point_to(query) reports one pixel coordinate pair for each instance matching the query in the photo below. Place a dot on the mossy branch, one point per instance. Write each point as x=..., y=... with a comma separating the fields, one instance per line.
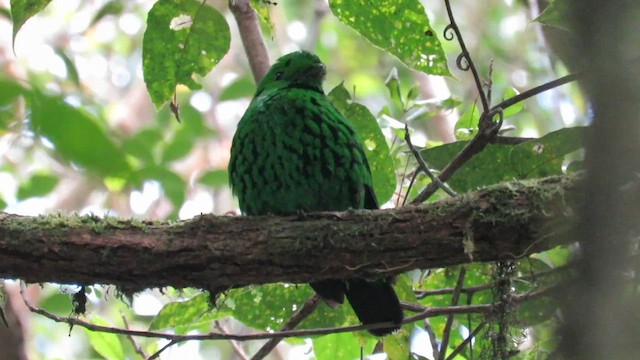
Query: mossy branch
x=507, y=221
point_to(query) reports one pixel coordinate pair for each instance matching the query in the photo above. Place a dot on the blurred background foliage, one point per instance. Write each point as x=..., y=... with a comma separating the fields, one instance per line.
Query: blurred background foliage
x=79, y=133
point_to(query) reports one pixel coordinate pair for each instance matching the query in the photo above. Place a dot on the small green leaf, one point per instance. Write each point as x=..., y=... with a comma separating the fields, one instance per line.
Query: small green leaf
x=467, y=126
x=106, y=344
x=77, y=136
x=72, y=71
x=3, y=204
x=262, y=8
x=393, y=85
x=556, y=14
x=22, y=10
x=241, y=87
x=114, y=7
x=399, y=27
x=373, y=140
x=183, y=38
x=37, y=185
x=215, y=178
x=142, y=144
x=513, y=109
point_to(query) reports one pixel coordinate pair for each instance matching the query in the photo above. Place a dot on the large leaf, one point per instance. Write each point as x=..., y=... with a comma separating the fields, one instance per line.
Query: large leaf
x=184, y=316
x=22, y=10
x=106, y=344
x=374, y=142
x=183, y=38
x=9, y=91
x=496, y=163
x=173, y=185
x=400, y=27
x=340, y=346
x=270, y=306
x=37, y=185
x=77, y=136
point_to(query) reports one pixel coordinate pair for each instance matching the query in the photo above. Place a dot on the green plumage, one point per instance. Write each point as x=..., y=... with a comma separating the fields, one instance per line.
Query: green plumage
x=293, y=151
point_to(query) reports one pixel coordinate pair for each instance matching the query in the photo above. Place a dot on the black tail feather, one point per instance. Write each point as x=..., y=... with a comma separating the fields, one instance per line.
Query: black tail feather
x=332, y=291
x=374, y=302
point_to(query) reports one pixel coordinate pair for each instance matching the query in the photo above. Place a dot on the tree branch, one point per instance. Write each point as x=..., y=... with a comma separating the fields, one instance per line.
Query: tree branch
x=503, y=222
x=252, y=39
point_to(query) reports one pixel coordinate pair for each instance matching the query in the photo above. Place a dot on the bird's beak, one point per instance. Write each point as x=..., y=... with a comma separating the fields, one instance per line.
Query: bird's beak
x=318, y=70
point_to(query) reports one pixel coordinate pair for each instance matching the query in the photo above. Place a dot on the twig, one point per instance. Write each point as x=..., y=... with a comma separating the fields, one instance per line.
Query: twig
x=136, y=347
x=234, y=344
x=307, y=309
x=449, y=324
x=421, y=294
x=482, y=138
x=423, y=312
x=157, y=353
x=537, y=90
x=510, y=140
x=176, y=338
x=473, y=147
x=466, y=341
x=423, y=166
x=453, y=26
x=251, y=35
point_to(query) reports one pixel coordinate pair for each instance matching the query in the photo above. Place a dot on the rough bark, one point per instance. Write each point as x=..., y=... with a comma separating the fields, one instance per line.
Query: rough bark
x=508, y=221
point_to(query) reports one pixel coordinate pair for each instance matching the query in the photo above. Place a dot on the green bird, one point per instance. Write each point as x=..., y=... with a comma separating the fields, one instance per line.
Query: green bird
x=294, y=151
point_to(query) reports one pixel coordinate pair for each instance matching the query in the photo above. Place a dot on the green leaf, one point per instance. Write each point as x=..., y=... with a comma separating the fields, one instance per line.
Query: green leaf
x=467, y=125
x=268, y=306
x=513, y=109
x=9, y=91
x=544, y=156
x=262, y=8
x=373, y=140
x=114, y=7
x=340, y=346
x=393, y=85
x=37, y=185
x=72, y=71
x=22, y=10
x=497, y=163
x=241, y=87
x=397, y=346
x=556, y=14
x=179, y=147
x=184, y=316
x=215, y=178
x=77, y=136
x=183, y=38
x=399, y=27
x=192, y=128
x=172, y=184
x=106, y=344
x=142, y=144
x=3, y=204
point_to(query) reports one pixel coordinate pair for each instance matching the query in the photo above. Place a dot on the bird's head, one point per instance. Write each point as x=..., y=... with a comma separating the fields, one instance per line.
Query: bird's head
x=300, y=69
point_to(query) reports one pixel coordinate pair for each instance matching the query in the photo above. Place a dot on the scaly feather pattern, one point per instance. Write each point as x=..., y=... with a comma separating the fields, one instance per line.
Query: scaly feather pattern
x=294, y=151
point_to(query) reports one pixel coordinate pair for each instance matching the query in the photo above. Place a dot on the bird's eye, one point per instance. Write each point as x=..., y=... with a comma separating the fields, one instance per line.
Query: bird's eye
x=279, y=75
